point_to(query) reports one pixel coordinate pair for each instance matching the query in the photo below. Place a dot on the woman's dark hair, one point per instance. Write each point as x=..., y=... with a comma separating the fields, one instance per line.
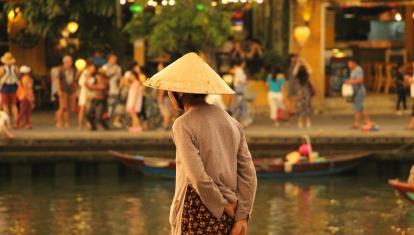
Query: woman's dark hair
x=193, y=99
x=353, y=59
x=135, y=74
x=303, y=76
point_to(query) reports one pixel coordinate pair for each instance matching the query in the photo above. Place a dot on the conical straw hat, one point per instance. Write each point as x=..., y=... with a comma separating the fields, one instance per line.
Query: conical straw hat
x=8, y=58
x=189, y=74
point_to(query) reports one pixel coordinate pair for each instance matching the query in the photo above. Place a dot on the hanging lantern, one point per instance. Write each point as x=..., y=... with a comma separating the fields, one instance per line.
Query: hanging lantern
x=302, y=34
x=302, y=2
x=72, y=27
x=80, y=64
x=65, y=33
x=11, y=15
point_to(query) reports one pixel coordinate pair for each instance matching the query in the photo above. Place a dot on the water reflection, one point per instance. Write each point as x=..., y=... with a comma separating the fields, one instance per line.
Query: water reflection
x=137, y=205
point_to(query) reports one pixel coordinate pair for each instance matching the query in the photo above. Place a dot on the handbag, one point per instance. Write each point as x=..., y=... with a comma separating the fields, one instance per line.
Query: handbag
x=282, y=115
x=348, y=92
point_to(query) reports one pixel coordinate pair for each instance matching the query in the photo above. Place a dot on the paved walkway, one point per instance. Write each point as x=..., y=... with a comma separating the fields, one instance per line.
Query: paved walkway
x=323, y=126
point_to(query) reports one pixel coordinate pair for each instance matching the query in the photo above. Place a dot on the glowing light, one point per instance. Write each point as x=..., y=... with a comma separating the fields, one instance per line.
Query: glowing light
x=65, y=33
x=302, y=34
x=136, y=8
x=72, y=27
x=412, y=15
x=164, y=2
x=200, y=7
x=122, y=2
x=243, y=1
x=224, y=1
x=17, y=10
x=213, y=4
x=80, y=64
x=171, y=3
x=302, y=2
x=11, y=15
x=398, y=16
x=259, y=1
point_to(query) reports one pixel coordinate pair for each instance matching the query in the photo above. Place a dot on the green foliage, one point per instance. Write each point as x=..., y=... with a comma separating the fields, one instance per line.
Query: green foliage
x=96, y=19
x=190, y=25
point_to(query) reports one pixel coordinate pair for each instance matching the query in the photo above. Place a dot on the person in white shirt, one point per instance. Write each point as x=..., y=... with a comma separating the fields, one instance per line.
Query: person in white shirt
x=239, y=107
x=85, y=95
x=114, y=73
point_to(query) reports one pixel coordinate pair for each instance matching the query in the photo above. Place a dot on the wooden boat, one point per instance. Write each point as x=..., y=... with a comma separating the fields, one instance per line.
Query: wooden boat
x=265, y=168
x=405, y=190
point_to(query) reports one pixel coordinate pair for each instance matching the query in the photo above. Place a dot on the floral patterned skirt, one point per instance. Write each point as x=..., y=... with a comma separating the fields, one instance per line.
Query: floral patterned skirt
x=197, y=219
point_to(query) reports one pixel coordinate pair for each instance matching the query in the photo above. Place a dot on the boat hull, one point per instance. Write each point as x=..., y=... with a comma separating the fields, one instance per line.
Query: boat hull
x=265, y=168
x=404, y=190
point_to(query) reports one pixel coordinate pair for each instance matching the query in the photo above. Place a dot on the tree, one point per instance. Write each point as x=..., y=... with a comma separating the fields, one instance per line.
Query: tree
x=96, y=18
x=189, y=25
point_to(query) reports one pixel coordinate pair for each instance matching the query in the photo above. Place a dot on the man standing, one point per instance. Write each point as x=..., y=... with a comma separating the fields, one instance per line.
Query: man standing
x=67, y=92
x=113, y=72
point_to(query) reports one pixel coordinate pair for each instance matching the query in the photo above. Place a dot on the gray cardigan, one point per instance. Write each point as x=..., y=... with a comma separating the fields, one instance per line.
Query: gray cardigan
x=213, y=156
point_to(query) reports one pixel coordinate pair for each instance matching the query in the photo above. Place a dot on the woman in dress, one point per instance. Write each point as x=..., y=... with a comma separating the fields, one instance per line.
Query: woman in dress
x=84, y=93
x=215, y=176
x=134, y=102
x=304, y=93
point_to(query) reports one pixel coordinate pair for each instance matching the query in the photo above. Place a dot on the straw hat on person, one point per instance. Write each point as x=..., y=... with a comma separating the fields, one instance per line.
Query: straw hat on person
x=189, y=74
x=8, y=58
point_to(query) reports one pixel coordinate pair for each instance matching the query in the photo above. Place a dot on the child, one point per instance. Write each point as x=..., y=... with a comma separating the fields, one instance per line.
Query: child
x=98, y=104
x=275, y=82
x=25, y=96
x=5, y=125
x=134, y=102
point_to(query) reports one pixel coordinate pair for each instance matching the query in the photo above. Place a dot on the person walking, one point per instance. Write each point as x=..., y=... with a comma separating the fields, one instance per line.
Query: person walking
x=114, y=73
x=215, y=176
x=134, y=102
x=85, y=95
x=67, y=92
x=143, y=113
x=275, y=82
x=304, y=92
x=356, y=79
x=240, y=107
x=25, y=97
x=8, y=85
x=98, y=103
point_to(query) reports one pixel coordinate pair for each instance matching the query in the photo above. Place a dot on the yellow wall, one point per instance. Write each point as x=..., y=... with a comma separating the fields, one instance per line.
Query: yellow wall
x=34, y=57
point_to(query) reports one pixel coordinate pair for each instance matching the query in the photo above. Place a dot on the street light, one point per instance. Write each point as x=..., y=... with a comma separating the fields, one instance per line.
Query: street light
x=72, y=27
x=398, y=16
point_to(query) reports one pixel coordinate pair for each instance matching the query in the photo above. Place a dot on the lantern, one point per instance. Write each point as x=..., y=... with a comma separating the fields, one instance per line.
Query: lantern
x=80, y=64
x=302, y=34
x=11, y=15
x=302, y=2
x=72, y=27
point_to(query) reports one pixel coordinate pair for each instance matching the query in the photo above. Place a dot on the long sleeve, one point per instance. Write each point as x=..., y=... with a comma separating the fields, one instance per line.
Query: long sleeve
x=189, y=156
x=246, y=180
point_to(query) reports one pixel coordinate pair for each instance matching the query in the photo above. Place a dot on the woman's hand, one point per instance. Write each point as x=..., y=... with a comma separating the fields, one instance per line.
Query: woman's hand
x=239, y=228
x=230, y=210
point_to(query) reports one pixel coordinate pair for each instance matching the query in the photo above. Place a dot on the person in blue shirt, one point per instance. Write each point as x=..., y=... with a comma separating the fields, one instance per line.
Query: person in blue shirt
x=356, y=79
x=275, y=82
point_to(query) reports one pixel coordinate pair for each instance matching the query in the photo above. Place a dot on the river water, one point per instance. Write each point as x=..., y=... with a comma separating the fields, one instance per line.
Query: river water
x=131, y=204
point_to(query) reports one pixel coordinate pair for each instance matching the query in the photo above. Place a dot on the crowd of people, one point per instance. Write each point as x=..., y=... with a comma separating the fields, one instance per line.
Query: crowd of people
x=103, y=95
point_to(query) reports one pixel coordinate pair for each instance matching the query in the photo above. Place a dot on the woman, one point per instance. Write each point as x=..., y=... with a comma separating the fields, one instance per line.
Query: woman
x=304, y=93
x=216, y=178
x=275, y=82
x=84, y=93
x=98, y=103
x=134, y=102
x=356, y=79
x=143, y=114
x=8, y=85
x=25, y=96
